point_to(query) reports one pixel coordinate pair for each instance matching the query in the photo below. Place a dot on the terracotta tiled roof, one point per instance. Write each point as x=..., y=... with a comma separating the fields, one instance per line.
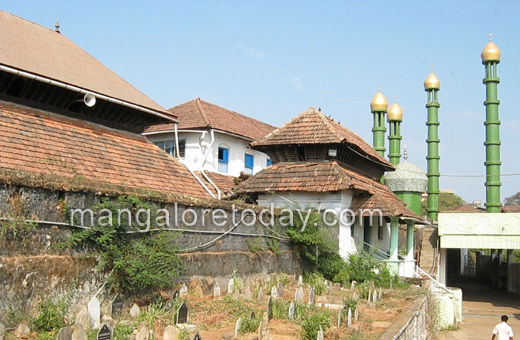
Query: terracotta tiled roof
x=510, y=209
x=326, y=177
x=198, y=114
x=30, y=47
x=225, y=183
x=39, y=142
x=313, y=127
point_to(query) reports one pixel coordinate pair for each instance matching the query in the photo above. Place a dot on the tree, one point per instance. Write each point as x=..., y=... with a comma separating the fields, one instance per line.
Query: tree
x=512, y=200
x=447, y=201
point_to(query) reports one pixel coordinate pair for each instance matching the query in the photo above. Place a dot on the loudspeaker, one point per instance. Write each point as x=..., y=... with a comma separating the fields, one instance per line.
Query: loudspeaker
x=89, y=99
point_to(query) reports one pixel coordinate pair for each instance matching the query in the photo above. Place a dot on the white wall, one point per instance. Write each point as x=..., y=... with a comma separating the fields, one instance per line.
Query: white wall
x=196, y=150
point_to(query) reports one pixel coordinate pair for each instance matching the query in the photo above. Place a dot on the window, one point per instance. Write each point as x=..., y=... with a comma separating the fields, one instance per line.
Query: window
x=269, y=162
x=223, y=159
x=249, y=162
x=169, y=147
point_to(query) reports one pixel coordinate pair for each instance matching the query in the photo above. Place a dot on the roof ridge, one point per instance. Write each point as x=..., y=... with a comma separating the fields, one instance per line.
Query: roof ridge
x=328, y=125
x=203, y=113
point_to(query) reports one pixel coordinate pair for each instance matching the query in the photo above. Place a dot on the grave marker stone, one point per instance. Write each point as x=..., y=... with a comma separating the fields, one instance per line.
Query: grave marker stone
x=270, y=309
x=104, y=333
x=260, y=294
x=170, y=333
x=216, y=290
x=355, y=296
x=280, y=289
x=349, y=317
x=298, y=296
x=353, y=285
x=291, y=310
x=356, y=314
x=197, y=336
x=300, y=280
x=237, y=327
x=252, y=315
x=380, y=293
x=78, y=332
x=340, y=311
x=143, y=332
x=247, y=294
x=183, y=291
x=94, y=309
x=230, y=286
x=64, y=334
x=274, y=292
x=312, y=296
x=260, y=329
x=369, y=296
x=182, y=314
x=176, y=295
x=135, y=310
x=321, y=336
x=117, y=304
x=374, y=296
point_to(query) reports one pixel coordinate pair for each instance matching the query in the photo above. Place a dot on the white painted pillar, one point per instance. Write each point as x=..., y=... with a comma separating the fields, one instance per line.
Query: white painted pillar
x=443, y=262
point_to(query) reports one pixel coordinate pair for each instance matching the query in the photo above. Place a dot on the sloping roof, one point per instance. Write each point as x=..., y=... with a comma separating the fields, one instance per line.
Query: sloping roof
x=313, y=127
x=41, y=51
x=198, y=114
x=326, y=177
x=225, y=183
x=35, y=141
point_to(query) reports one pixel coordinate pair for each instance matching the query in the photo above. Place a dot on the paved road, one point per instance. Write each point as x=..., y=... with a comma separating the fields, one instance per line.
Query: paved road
x=481, y=310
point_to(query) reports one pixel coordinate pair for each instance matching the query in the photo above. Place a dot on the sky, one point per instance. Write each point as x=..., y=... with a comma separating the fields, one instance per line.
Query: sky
x=272, y=60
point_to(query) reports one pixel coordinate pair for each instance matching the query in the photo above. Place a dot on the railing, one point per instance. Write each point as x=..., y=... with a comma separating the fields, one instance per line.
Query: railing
x=436, y=283
x=382, y=255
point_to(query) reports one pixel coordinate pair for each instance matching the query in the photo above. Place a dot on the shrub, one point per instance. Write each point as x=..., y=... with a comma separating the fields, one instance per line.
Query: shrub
x=312, y=324
x=51, y=316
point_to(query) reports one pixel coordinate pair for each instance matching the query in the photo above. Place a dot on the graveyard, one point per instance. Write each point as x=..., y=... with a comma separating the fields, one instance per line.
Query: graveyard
x=271, y=307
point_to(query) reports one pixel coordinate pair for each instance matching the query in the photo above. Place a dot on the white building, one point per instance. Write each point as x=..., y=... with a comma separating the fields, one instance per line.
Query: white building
x=211, y=138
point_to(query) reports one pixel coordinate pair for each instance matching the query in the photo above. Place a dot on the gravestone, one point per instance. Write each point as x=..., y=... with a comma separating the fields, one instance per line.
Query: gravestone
x=135, y=310
x=252, y=315
x=298, y=296
x=83, y=317
x=176, y=295
x=353, y=285
x=321, y=336
x=291, y=310
x=183, y=291
x=280, y=289
x=230, y=286
x=94, y=309
x=107, y=320
x=197, y=336
x=369, y=296
x=340, y=311
x=300, y=280
x=349, y=317
x=247, y=294
x=374, y=296
x=182, y=313
x=312, y=297
x=391, y=284
x=64, y=334
x=270, y=309
x=372, y=285
x=356, y=314
x=237, y=327
x=78, y=332
x=380, y=293
x=171, y=333
x=143, y=332
x=260, y=330
x=104, y=333
x=355, y=296
x=260, y=294
x=117, y=305
x=216, y=290
x=274, y=292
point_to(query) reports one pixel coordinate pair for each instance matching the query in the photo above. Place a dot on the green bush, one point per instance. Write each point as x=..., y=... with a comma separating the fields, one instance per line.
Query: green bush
x=311, y=325
x=51, y=316
x=249, y=325
x=317, y=281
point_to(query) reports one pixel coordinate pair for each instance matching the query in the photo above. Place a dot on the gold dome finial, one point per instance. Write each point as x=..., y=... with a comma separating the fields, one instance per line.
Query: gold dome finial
x=379, y=102
x=491, y=52
x=432, y=82
x=395, y=112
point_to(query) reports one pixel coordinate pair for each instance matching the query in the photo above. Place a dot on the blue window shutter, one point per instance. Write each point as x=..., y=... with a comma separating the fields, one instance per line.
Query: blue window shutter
x=225, y=155
x=269, y=161
x=249, y=161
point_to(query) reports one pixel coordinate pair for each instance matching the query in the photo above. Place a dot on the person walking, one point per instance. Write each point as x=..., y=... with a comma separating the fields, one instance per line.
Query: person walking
x=502, y=331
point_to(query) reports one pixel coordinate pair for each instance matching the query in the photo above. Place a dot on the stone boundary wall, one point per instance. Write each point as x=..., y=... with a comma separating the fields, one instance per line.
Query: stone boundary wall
x=33, y=269
x=411, y=324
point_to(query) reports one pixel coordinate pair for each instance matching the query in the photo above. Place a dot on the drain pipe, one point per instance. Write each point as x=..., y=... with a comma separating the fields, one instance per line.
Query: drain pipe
x=212, y=133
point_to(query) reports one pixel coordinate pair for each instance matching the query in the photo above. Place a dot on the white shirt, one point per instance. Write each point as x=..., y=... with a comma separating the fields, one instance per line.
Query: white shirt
x=503, y=331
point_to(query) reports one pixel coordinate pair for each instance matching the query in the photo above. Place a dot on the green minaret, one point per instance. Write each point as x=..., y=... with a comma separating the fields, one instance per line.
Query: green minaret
x=378, y=106
x=490, y=58
x=395, y=117
x=432, y=86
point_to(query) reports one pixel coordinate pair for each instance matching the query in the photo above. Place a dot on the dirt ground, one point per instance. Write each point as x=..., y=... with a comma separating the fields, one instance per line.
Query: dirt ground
x=482, y=307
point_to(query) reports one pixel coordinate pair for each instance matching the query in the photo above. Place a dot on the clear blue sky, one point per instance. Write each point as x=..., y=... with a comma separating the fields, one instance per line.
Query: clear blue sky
x=272, y=60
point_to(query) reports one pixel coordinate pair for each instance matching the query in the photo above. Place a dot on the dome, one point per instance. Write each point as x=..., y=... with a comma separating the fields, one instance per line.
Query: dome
x=407, y=177
x=491, y=52
x=395, y=112
x=379, y=102
x=432, y=82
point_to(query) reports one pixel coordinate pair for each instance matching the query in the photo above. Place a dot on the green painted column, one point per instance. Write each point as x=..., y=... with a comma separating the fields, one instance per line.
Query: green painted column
x=491, y=58
x=378, y=106
x=394, y=237
x=409, y=241
x=395, y=117
x=412, y=200
x=432, y=87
